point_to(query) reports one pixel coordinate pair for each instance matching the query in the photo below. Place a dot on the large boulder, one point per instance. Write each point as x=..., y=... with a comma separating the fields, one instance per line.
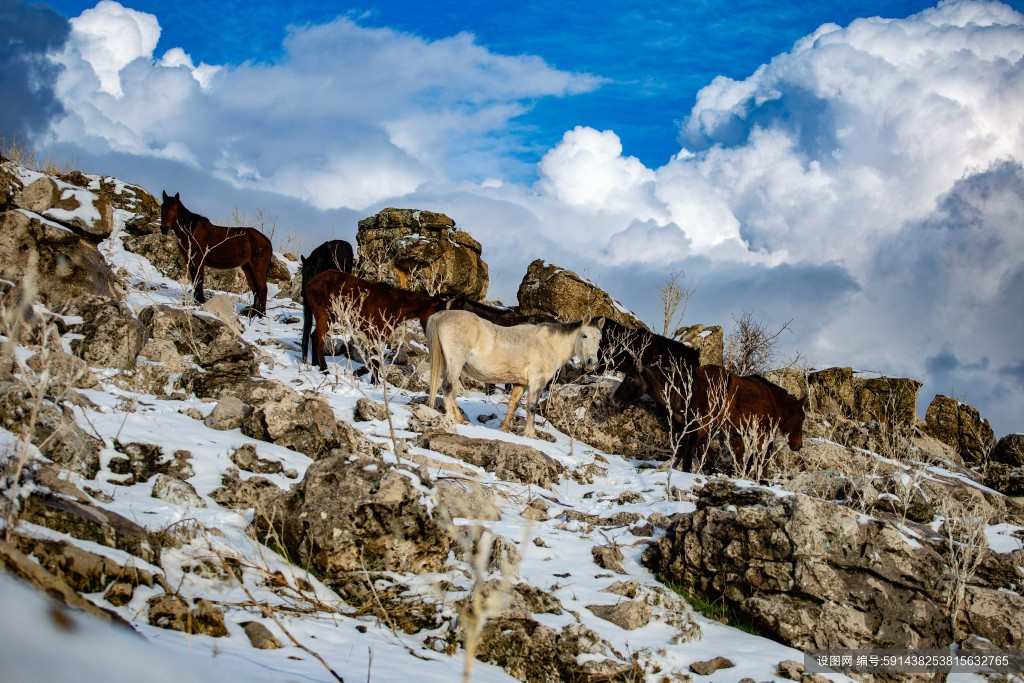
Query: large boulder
x=421, y=251
x=562, y=294
x=1010, y=450
x=67, y=266
x=221, y=359
x=816, y=575
x=960, y=426
x=509, y=461
x=838, y=392
x=352, y=514
x=587, y=412
x=306, y=424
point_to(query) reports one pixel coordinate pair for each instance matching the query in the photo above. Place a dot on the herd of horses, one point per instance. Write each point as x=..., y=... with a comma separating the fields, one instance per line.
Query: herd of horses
x=493, y=344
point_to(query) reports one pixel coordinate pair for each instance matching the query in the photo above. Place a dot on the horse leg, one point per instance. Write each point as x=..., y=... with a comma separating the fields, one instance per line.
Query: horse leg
x=250, y=279
x=532, y=404
x=451, y=372
x=513, y=404
x=307, y=325
x=197, y=273
x=318, y=342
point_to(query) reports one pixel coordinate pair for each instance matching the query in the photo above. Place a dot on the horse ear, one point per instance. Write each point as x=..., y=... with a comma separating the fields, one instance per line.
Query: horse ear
x=177, y=195
x=600, y=323
x=165, y=195
x=302, y=260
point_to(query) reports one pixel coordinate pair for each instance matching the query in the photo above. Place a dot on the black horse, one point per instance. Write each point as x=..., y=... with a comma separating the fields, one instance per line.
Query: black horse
x=331, y=255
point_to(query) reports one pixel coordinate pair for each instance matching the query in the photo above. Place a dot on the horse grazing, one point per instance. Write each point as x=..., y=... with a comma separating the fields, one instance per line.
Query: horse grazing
x=202, y=244
x=526, y=356
x=380, y=306
x=716, y=400
x=331, y=255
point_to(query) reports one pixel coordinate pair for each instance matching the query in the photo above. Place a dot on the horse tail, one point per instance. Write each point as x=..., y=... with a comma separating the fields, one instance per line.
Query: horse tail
x=437, y=359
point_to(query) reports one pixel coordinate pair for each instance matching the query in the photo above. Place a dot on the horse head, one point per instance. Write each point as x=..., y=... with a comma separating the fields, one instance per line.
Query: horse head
x=169, y=211
x=633, y=385
x=793, y=426
x=587, y=342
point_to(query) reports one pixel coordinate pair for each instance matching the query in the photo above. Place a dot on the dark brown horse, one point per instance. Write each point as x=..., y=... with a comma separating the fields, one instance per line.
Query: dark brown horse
x=382, y=306
x=331, y=255
x=624, y=348
x=721, y=401
x=202, y=244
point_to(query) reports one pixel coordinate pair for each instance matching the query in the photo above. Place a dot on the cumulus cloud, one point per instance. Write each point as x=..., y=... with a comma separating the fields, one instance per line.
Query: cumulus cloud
x=865, y=184
x=27, y=34
x=348, y=116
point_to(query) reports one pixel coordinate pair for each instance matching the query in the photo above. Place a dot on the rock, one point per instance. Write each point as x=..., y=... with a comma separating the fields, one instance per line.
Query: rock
x=710, y=666
x=239, y=494
x=140, y=462
x=791, y=669
x=1005, y=479
x=367, y=410
x=423, y=419
x=1010, y=450
x=509, y=461
x=608, y=557
x=562, y=294
x=530, y=651
x=629, y=614
x=227, y=414
x=814, y=575
x=119, y=594
x=82, y=570
x=171, y=612
x=112, y=337
x=176, y=491
x=223, y=307
x=67, y=266
x=246, y=458
x=260, y=636
x=307, y=425
x=421, y=251
x=351, y=515
x=38, y=196
x=587, y=413
x=221, y=359
x=53, y=430
x=89, y=523
x=465, y=498
x=837, y=392
x=64, y=369
x=960, y=426
x=710, y=341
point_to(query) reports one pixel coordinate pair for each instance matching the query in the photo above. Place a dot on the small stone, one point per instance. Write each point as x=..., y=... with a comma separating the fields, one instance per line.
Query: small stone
x=608, y=557
x=710, y=666
x=537, y=510
x=260, y=636
x=246, y=458
x=120, y=593
x=229, y=413
x=791, y=669
x=176, y=491
x=368, y=410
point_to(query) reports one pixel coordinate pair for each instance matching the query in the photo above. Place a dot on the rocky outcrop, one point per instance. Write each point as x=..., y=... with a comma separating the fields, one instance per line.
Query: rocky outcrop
x=586, y=412
x=111, y=335
x=66, y=265
x=304, y=423
x=53, y=430
x=709, y=340
x=1010, y=450
x=816, y=575
x=838, y=392
x=960, y=426
x=356, y=514
x=421, y=251
x=562, y=294
x=220, y=358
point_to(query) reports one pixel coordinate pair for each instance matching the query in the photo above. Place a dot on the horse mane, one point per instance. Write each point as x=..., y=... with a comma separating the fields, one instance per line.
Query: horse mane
x=191, y=218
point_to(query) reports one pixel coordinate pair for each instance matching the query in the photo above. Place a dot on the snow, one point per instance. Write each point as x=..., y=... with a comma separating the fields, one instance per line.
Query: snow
x=555, y=553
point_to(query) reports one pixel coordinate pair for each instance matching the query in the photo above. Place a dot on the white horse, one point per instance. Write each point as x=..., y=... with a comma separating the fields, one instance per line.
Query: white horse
x=526, y=356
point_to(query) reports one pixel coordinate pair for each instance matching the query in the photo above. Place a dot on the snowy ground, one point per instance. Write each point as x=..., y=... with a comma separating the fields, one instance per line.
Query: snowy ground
x=34, y=646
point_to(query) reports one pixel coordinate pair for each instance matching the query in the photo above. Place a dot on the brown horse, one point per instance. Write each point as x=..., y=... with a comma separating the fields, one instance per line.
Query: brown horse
x=202, y=244
x=382, y=306
x=331, y=255
x=720, y=401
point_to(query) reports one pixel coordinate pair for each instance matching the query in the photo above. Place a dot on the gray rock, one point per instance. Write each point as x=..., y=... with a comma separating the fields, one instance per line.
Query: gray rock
x=260, y=636
x=467, y=499
x=710, y=666
x=246, y=458
x=176, y=491
x=227, y=414
x=367, y=410
x=509, y=461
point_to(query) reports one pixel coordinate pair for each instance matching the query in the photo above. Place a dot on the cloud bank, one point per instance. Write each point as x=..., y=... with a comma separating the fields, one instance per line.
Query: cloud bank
x=866, y=184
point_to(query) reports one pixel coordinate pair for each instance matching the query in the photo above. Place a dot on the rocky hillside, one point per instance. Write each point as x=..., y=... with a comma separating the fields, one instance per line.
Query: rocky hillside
x=179, y=474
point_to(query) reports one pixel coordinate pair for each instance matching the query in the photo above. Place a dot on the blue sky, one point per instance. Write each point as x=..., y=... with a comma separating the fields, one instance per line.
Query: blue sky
x=854, y=169
x=654, y=55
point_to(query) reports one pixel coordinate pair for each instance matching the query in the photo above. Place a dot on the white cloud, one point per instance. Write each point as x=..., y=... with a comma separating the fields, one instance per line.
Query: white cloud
x=111, y=36
x=826, y=173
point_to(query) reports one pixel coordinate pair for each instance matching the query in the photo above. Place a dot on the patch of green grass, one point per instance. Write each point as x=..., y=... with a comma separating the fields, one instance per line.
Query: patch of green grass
x=717, y=609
